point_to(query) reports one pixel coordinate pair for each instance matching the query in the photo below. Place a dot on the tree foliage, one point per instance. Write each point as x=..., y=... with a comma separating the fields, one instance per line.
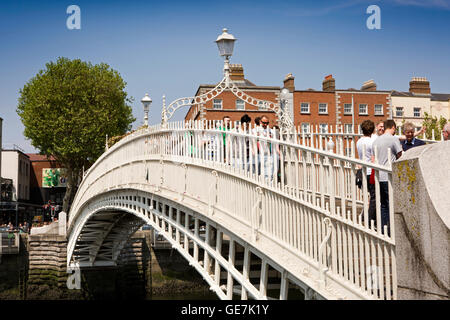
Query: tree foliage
x=68, y=108
x=432, y=123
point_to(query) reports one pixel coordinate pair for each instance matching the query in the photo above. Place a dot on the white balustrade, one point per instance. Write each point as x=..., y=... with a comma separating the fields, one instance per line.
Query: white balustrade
x=283, y=187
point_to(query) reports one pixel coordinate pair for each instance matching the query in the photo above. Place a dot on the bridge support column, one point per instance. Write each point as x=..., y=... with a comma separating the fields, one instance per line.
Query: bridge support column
x=422, y=222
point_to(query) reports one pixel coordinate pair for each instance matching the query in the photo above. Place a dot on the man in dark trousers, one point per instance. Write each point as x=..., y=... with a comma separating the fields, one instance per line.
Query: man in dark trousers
x=411, y=141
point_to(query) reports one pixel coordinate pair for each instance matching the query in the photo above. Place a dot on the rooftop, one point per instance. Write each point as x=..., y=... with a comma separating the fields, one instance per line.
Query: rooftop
x=433, y=96
x=40, y=157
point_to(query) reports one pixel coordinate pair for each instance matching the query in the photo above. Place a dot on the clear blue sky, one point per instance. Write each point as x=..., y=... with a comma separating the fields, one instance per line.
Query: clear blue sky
x=167, y=47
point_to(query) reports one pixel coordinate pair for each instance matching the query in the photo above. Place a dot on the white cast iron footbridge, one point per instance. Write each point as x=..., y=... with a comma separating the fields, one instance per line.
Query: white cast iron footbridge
x=286, y=204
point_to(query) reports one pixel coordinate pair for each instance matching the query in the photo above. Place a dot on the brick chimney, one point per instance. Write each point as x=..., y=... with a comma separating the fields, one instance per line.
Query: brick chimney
x=289, y=82
x=236, y=72
x=419, y=85
x=329, y=84
x=369, y=85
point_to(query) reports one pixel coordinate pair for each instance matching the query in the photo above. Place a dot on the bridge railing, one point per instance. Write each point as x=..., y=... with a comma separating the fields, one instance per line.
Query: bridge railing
x=360, y=252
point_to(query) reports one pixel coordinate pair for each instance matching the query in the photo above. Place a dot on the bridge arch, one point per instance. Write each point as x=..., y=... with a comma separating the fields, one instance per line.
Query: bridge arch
x=280, y=220
x=112, y=217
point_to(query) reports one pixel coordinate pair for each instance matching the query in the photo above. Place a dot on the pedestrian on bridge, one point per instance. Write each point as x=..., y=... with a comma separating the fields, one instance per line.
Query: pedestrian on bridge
x=446, y=132
x=410, y=140
x=364, y=146
x=386, y=148
x=245, y=142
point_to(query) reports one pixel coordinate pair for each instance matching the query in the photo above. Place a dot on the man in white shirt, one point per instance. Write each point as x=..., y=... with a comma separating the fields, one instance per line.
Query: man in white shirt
x=388, y=149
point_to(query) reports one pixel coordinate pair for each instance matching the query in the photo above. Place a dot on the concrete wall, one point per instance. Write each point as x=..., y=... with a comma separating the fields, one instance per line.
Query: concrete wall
x=11, y=160
x=421, y=179
x=141, y=273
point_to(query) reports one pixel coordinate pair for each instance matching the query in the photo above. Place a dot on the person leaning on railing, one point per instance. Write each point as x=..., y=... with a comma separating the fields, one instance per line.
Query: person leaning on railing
x=364, y=146
x=381, y=148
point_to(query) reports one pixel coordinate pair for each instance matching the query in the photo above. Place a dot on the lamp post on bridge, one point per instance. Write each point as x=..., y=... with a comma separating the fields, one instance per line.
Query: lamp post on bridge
x=146, y=102
x=225, y=44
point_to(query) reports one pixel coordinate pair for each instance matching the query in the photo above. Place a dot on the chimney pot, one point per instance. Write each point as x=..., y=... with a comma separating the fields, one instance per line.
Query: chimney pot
x=236, y=72
x=329, y=84
x=289, y=82
x=419, y=85
x=369, y=85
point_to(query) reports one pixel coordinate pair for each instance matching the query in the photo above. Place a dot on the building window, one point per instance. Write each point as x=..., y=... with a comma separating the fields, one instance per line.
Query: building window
x=304, y=107
x=417, y=112
x=323, y=128
x=348, y=128
x=378, y=109
x=323, y=108
x=305, y=127
x=261, y=106
x=240, y=104
x=399, y=112
x=217, y=104
x=363, y=109
x=348, y=108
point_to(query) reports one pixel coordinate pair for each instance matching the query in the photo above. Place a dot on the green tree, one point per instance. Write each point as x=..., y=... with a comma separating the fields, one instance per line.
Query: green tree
x=433, y=123
x=68, y=108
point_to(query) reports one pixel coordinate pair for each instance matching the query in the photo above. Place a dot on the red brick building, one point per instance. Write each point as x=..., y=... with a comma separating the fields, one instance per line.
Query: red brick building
x=334, y=106
x=319, y=108
x=227, y=104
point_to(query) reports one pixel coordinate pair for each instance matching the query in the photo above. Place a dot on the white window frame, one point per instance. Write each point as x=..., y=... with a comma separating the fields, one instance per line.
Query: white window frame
x=323, y=127
x=305, y=125
x=216, y=102
x=348, y=127
x=261, y=106
x=414, y=112
x=380, y=112
x=351, y=108
x=397, y=109
x=305, y=112
x=238, y=101
x=359, y=109
x=326, y=108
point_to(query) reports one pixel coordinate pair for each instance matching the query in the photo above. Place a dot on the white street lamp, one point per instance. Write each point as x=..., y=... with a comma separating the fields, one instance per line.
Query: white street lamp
x=225, y=43
x=146, y=102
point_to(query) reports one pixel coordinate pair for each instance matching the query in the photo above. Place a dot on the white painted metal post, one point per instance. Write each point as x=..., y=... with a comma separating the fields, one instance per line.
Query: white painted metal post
x=219, y=251
x=206, y=259
x=263, y=279
x=197, y=236
x=230, y=281
x=245, y=272
x=284, y=286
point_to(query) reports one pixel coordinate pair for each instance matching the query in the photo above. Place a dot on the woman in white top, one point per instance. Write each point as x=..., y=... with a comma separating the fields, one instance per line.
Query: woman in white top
x=364, y=147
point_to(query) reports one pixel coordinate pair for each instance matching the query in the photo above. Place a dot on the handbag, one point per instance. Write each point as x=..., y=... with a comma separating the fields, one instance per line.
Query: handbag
x=359, y=177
